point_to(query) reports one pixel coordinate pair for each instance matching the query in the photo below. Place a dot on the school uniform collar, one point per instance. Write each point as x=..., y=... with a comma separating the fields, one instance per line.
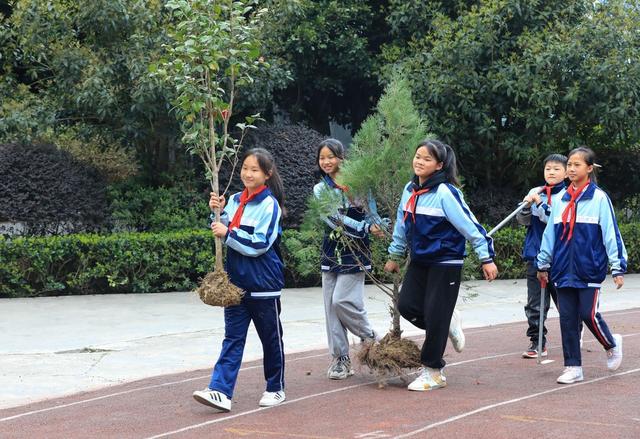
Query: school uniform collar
x=587, y=193
x=329, y=181
x=434, y=180
x=258, y=198
x=557, y=187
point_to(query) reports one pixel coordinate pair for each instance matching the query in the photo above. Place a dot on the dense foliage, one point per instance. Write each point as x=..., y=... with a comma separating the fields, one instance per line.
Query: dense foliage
x=49, y=191
x=170, y=261
x=507, y=82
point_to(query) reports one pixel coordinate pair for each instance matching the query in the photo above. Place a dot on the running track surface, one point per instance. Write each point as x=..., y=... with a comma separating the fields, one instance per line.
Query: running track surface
x=492, y=393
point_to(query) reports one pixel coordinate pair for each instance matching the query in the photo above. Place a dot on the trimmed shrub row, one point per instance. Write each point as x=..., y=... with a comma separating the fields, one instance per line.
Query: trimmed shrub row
x=174, y=261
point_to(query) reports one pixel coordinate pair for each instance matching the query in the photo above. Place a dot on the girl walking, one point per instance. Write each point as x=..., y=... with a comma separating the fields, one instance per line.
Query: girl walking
x=343, y=267
x=250, y=228
x=433, y=224
x=580, y=240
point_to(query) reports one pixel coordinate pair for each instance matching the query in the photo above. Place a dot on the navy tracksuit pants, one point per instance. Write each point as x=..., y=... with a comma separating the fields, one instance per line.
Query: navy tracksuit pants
x=265, y=314
x=576, y=305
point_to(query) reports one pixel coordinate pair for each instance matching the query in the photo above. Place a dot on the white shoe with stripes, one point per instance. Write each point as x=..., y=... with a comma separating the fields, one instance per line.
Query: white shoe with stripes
x=614, y=355
x=455, y=331
x=270, y=399
x=213, y=398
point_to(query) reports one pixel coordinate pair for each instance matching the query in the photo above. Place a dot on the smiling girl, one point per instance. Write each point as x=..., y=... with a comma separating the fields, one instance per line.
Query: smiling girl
x=343, y=267
x=579, y=242
x=433, y=224
x=253, y=263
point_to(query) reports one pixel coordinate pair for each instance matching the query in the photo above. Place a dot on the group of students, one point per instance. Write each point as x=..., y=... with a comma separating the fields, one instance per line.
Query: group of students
x=571, y=241
x=572, y=238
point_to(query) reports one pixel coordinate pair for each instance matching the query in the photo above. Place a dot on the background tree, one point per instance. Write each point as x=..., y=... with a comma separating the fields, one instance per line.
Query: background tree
x=330, y=48
x=379, y=162
x=67, y=65
x=214, y=51
x=507, y=82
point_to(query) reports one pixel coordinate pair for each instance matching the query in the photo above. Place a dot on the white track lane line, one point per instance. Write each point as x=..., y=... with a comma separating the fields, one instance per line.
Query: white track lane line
x=137, y=389
x=217, y=420
x=511, y=401
x=155, y=386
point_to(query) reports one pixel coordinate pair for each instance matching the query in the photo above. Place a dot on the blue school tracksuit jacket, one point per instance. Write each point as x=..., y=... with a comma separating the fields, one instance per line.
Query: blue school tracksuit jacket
x=355, y=222
x=255, y=265
x=442, y=225
x=254, y=262
x=539, y=217
x=596, y=243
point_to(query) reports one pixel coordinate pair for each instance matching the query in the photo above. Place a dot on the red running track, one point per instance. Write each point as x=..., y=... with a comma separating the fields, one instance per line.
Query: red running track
x=492, y=393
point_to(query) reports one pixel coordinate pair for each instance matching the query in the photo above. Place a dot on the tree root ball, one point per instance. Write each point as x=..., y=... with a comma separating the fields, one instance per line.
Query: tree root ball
x=216, y=290
x=389, y=357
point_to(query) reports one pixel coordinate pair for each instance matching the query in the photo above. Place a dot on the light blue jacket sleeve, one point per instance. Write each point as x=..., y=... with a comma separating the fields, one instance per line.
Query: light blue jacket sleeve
x=398, y=246
x=545, y=256
x=224, y=217
x=353, y=228
x=266, y=230
x=616, y=251
x=459, y=215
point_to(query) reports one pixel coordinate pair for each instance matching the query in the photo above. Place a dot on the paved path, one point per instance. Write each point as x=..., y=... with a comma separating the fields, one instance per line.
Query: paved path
x=51, y=347
x=492, y=393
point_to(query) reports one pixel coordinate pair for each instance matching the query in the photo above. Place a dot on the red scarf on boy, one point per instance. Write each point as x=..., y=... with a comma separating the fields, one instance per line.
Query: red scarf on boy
x=570, y=212
x=547, y=188
x=244, y=199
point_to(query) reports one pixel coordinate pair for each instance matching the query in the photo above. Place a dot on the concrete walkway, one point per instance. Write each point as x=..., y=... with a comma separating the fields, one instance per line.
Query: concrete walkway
x=58, y=346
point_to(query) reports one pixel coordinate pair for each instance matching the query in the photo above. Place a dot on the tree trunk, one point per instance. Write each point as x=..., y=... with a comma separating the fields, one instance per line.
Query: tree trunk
x=395, y=325
x=215, y=184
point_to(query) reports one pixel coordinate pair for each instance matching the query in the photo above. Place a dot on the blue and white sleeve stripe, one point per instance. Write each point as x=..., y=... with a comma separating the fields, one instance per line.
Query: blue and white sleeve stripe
x=459, y=215
x=353, y=228
x=398, y=246
x=265, y=232
x=545, y=256
x=616, y=251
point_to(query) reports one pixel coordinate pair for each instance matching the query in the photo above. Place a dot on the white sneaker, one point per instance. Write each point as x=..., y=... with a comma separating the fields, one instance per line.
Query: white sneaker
x=270, y=399
x=213, y=398
x=570, y=375
x=340, y=368
x=614, y=355
x=455, y=331
x=429, y=379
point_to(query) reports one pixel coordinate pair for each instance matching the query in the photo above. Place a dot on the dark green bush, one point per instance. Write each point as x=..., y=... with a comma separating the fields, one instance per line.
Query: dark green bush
x=146, y=209
x=117, y=263
x=50, y=191
x=170, y=261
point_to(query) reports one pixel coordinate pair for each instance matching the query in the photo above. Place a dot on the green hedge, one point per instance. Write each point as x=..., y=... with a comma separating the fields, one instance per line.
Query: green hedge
x=173, y=261
x=117, y=263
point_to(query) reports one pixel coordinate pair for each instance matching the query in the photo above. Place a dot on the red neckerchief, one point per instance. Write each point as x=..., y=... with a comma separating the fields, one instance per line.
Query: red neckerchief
x=570, y=212
x=342, y=188
x=411, y=204
x=547, y=189
x=244, y=199
x=331, y=182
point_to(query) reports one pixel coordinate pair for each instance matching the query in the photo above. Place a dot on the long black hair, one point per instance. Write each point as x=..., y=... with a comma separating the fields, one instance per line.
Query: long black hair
x=444, y=154
x=336, y=148
x=590, y=159
x=268, y=166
